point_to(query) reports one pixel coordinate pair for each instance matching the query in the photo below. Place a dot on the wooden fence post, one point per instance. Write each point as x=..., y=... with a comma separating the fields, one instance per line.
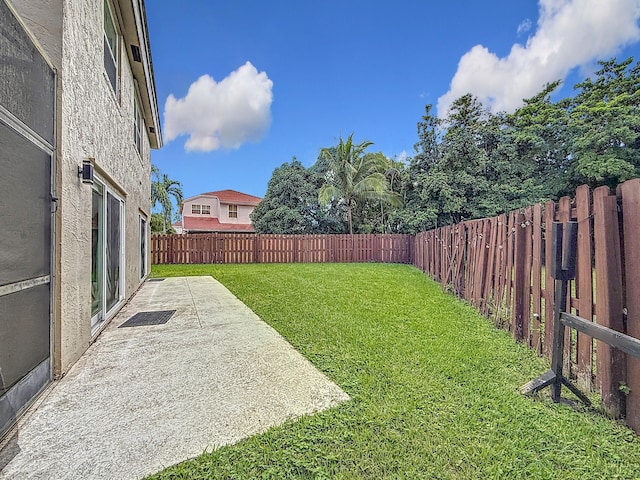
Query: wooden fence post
x=611, y=362
x=584, y=286
x=520, y=296
x=630, y=192
x=536, y=265
x=549, y=291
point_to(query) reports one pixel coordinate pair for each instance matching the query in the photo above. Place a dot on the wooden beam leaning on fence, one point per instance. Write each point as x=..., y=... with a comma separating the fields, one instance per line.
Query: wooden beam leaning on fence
x=564, y=244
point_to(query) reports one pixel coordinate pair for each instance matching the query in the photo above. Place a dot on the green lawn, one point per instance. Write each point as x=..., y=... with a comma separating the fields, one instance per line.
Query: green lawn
x=434, y=387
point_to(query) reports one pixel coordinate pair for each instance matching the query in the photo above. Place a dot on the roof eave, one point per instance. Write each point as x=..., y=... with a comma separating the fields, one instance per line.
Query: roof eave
x=136, y=33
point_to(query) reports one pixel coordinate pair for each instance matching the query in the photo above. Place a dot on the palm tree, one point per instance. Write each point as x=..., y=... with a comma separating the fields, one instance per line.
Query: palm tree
x=163, y=189
x=355, y=177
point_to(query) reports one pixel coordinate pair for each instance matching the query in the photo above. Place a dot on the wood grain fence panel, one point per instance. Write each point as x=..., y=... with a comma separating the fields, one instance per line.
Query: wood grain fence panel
x=630, y=192
x=526, y=279
x=460, y=259
x=500, y=268
x=479, y=264
x=469, y=264
x=536, y=289
x=610, y=362
x=549, y=291
x=487, y=291
x=584, y=286
x=483, y=261
x=444, y=253
x=519, y=294
x=511, y=232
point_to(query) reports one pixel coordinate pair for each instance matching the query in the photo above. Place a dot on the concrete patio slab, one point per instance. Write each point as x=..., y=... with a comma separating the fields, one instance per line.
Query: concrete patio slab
x=143, y=398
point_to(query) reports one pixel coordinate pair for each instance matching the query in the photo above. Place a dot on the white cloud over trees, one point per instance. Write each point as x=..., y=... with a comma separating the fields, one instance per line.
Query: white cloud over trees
x=222, y=114
x=569, y=33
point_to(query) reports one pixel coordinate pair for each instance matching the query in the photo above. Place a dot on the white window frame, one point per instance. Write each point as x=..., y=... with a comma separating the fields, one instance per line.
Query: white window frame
x=196, y=209
x=205, y=210
x=115, y=56
x=234, y=211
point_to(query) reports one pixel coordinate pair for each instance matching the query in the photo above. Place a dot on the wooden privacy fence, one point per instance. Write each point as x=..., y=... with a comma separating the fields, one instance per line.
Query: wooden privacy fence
x=254, y=248
x=498, y=265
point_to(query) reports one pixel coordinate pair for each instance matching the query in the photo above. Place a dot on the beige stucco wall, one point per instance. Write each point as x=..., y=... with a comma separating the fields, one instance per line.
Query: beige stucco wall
x=94, y=123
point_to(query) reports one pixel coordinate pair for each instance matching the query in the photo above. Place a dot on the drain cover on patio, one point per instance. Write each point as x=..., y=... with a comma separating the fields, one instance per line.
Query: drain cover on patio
x=155, y=279
x=142, y=319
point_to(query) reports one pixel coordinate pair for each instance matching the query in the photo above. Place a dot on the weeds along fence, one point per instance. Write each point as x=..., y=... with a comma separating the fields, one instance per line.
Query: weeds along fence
x=498, y=265
x=258, y=248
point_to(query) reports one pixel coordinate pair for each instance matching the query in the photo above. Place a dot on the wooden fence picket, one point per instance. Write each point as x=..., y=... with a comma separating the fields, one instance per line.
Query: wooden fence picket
x=630, y=195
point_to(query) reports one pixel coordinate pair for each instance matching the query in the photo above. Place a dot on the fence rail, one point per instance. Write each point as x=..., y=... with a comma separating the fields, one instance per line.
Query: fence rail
x=258, y=248
x=499, y=265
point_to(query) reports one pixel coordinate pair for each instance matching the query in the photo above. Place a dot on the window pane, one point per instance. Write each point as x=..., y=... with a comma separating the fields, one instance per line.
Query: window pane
x=206, y=209
x=195, y=209
x=113, y=251
x=110, y=32
x=233, y=211
x=110, y=67
x=96, y=250
x=110, y=47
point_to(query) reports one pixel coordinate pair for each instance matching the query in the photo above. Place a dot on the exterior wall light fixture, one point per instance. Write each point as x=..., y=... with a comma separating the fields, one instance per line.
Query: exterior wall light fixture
x=85, y=171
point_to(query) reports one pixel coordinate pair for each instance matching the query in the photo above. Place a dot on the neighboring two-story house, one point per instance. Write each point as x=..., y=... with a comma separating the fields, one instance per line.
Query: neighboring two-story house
x=221, y=211
x=78, y=117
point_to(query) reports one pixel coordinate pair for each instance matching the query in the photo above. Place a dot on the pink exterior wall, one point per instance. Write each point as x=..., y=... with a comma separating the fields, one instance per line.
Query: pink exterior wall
x=211, y=201
x=243, y=214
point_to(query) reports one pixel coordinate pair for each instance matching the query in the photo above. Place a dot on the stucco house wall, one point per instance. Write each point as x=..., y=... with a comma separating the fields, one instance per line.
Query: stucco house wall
x=243, y=213
x=97, y=125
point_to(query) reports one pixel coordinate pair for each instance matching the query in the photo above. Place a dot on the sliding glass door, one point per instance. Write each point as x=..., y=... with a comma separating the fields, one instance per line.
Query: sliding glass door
x=107, y=253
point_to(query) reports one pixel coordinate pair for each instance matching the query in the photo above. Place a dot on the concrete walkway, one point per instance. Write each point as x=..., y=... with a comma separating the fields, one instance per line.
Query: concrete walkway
x=143, y=398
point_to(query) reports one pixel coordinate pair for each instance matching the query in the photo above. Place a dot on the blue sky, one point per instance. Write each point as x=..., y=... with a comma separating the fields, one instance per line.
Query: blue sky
x=246, y=85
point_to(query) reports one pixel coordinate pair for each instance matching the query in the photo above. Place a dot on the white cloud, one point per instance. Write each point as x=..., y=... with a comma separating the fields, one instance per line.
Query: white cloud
x=569, y=33
x=524, y=27
x=222, y=114
x=402, y=157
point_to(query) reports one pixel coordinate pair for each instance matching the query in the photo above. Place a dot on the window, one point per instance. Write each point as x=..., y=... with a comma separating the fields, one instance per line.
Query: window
x=138, y=125
x=206, y=209
x=195, y=209
x=233, y=211
x=110, y=47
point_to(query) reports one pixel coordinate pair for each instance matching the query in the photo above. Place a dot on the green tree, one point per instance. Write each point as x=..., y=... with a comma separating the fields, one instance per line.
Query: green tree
x=291, y=205
x=542, y=140
x=354, y=177
x=163, y=190
x=605, y=125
